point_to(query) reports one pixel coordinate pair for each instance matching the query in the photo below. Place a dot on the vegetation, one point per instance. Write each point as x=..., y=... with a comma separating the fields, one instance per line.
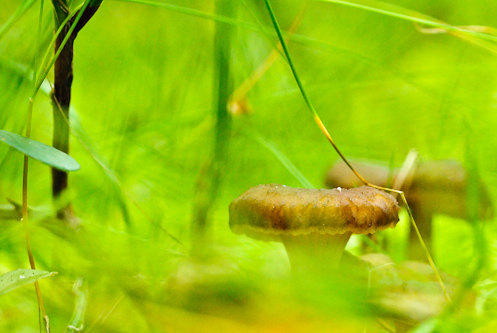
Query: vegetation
x=178, y=107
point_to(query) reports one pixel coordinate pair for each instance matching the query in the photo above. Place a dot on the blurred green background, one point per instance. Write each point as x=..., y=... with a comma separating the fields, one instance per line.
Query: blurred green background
x=143, y=116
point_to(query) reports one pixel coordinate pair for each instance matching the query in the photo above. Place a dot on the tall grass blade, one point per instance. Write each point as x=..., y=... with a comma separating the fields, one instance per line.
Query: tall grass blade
x=328, y=136
x=209, y=182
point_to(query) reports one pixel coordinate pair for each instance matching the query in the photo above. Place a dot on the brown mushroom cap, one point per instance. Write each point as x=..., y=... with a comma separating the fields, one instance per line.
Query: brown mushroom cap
x=270, y=211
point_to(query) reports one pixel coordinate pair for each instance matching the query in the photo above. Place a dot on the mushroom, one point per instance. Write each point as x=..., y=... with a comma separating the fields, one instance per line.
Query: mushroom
x=437, y=187
x=314, y=225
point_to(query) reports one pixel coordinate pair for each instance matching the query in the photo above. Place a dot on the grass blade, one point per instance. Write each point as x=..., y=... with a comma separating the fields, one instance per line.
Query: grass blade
x=285, y=161
x=21, y=10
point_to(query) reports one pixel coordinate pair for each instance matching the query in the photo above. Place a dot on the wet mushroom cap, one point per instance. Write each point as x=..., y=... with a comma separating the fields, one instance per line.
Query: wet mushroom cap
x=270, y=211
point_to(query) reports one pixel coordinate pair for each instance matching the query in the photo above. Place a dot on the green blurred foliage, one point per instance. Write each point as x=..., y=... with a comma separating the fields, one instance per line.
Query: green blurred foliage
x=143, y=120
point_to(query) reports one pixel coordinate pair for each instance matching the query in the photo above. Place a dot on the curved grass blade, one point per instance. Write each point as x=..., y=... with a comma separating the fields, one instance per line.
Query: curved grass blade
x=40, y=151
x=478, y=37
x=77, y=319
x=193, y=12
x=20, y=277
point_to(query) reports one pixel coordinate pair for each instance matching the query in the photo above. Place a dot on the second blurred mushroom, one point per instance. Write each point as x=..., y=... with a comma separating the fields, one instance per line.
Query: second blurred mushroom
x=436, y=187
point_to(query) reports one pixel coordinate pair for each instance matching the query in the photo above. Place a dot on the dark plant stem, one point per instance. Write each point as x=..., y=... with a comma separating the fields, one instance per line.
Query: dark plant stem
x=210, y=176
x=63, y=76
x=61, y=94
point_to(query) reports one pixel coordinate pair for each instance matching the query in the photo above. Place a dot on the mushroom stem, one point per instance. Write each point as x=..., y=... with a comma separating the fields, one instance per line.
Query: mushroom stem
x=315, y=251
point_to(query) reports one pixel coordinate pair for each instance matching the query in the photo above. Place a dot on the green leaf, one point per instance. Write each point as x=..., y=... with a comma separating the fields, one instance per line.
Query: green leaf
x=15, y=279
x=40, y=151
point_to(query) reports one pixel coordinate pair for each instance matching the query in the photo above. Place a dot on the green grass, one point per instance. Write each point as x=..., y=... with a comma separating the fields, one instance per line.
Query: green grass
x=144, y=125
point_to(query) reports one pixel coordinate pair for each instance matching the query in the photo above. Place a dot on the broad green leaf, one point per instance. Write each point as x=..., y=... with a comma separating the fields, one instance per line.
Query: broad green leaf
x=40, y=151
x=18, y=278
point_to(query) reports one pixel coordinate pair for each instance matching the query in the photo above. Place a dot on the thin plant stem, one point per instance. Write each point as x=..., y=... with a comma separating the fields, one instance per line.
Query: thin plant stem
x=25, y=219
x=25, y=216
x=421, y=241
x=328, y=136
